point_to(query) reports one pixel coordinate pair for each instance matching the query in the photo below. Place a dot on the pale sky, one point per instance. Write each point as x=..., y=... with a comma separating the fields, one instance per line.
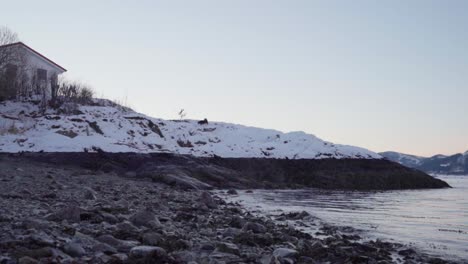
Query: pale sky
x=384, y=75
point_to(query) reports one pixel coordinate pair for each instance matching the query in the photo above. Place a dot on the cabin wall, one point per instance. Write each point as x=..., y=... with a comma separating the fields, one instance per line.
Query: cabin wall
x=35, y=62
x=29, y=75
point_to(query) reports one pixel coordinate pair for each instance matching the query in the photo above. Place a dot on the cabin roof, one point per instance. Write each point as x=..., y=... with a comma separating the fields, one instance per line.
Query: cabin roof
x=35, y=52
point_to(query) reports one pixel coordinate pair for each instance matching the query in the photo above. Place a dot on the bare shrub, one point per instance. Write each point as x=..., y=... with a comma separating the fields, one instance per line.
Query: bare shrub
x=72, y=92
x=182, y=114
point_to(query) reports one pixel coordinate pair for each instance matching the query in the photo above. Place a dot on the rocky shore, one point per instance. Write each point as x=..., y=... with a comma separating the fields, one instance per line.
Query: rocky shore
x=59, y=213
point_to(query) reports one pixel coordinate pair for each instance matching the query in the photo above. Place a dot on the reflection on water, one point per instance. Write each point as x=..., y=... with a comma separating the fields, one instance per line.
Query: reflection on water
x=435, y=221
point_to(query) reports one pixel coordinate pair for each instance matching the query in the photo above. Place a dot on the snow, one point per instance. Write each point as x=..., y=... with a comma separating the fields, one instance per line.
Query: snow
x=22, y=128
x=403, y=158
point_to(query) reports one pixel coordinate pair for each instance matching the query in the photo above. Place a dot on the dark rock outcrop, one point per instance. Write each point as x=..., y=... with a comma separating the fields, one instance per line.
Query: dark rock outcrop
x=204, y=173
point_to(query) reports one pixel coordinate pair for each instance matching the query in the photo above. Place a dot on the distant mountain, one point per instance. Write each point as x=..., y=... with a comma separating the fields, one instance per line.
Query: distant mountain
x=454, y=164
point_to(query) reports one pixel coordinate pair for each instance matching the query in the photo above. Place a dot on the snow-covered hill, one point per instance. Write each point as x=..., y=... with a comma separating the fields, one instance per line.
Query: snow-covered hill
x=116, y=129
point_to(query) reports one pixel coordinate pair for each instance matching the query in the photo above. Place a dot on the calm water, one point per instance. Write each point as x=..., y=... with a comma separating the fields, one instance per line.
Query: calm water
x=435, y=221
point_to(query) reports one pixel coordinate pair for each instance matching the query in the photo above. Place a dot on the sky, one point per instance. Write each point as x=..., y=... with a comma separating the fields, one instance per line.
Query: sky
x=384, y=75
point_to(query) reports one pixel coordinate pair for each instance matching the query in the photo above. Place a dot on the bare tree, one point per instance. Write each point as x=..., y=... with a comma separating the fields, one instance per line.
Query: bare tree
x=12, y=64
x=8, y=54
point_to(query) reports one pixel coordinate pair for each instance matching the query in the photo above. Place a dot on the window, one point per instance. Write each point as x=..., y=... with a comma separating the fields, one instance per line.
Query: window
x=41, y=75
x=12, y=70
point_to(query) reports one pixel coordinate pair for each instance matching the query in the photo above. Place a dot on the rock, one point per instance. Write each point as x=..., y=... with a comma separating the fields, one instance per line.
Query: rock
x=152, y=239
x=26, y=260
x=109, y=218
x=126, y=230
x=144, y=218
x=231, y=232
x=407, y=252
x=110, y=240
x=104, y=248
x=254, y=227
x=254, y=240
x=309, y=260
x=120, y=245
x=284, y=253
x=237, y=221
x=71, y=213
x=31, y=223
x=122, y=205
x=147, y=251
x=221, y=257
x=228, y=248
x=297, y=215
x=101, y=258
x=89, y=194
x=119, y=258
x=44, y=252
x=74, y=249
x=126, y=245
x=50, y=195
x=207, y=246
x=184, y=256
x=311, y=249
x=208, y=200
x=232, y=192
x=40, y=239
x=203, y=122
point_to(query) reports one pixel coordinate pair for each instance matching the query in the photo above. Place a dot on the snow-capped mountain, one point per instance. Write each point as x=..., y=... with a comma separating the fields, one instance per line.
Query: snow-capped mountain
x=112, y=128
x=407, y=160
x=441, y=164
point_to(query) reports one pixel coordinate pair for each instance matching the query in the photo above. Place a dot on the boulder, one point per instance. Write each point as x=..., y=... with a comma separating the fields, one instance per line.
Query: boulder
x=152, y=239
x=109, y=239
x=284, y=253
x=232, y=192
x=104, y=248
x=89, y=194
x=71, y=213
x=228, y=248
x=126, y=230
x=119, y=258
x=74, y=249
x=231, y=232
x=144, y=218
x=237, y=221
x=208, y=200
x=140, y=252
x=254, y=227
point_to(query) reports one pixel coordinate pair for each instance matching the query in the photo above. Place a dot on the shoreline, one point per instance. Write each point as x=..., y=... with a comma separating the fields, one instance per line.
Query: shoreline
x=312, y=224
x=65, y=214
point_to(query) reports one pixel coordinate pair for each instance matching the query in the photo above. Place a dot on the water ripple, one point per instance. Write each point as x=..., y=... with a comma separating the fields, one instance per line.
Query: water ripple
x=435, y=221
